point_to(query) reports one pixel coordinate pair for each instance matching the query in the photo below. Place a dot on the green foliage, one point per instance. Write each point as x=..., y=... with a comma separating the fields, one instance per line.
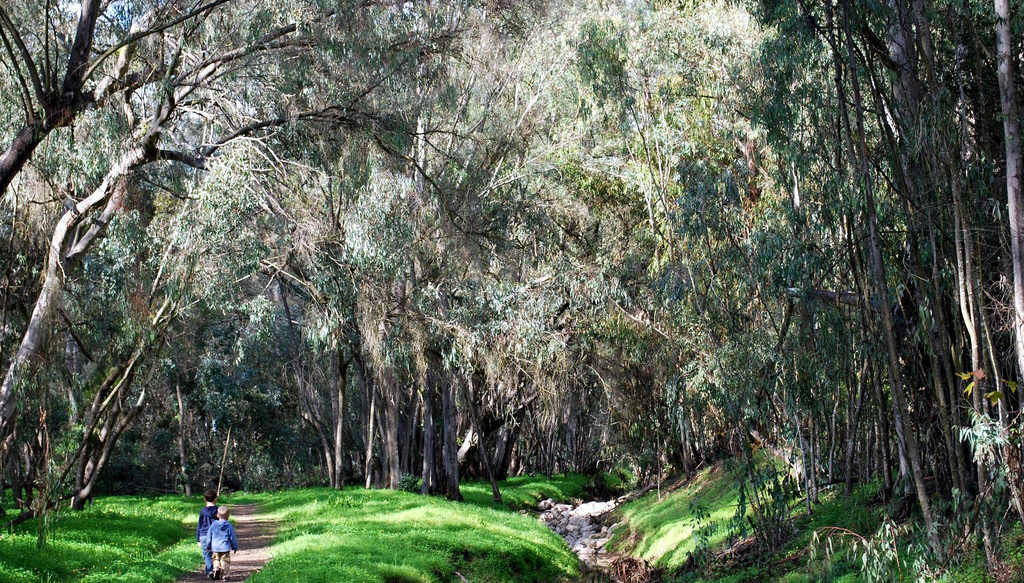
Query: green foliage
x=409, y=483
x=615, y=482
x=769, y=491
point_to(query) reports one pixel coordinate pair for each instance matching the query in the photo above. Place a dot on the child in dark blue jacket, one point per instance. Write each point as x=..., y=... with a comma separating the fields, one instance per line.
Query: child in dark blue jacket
x=206, y=517
x=220, y=540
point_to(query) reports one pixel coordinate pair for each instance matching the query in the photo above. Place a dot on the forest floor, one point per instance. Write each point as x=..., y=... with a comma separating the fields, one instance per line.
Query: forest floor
x=255, y=537
x=322, y=535
x=696, y=517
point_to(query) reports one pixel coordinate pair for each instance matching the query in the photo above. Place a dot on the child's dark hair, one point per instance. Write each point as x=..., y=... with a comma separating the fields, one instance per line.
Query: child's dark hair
x=210, y=496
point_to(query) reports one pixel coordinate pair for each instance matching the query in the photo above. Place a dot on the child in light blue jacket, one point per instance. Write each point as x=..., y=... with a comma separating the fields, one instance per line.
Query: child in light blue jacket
x=220, y=540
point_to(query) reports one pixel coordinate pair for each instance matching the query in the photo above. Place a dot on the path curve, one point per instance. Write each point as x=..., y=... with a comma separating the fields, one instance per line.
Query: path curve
x=255, y=535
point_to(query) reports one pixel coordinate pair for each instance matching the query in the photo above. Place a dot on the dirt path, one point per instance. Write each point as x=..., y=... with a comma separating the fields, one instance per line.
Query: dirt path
x=255, y=536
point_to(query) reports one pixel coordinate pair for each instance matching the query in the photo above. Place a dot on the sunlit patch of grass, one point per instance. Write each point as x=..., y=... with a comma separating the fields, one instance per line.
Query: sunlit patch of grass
x=663, y=531
x=378, y=535
x=326, y=535
x=119, y=539
x=526, y=491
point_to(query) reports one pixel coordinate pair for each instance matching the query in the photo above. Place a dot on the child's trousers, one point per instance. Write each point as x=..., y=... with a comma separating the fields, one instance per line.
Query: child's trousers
x=222, y=561
x=207, y=558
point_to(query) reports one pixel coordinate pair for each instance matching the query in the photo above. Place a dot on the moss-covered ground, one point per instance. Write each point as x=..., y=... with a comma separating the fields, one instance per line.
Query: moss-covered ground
x=324, y=535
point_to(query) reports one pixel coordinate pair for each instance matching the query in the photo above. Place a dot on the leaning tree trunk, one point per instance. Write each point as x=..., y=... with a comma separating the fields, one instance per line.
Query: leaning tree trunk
x=56, y=264
x=59, y=111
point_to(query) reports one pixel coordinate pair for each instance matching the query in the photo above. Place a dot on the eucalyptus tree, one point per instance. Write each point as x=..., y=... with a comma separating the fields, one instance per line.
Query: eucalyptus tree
x=213, y=80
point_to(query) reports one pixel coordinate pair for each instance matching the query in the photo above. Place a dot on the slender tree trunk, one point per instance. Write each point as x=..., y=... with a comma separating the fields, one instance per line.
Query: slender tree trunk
x=429, y=447
x=223, y=460
x=338, y=408
x=391, y=422
x=370, y=432
x=449, y=446
x=1012, y=144
x=853, y=418
x=182, y=457
x=904, y=431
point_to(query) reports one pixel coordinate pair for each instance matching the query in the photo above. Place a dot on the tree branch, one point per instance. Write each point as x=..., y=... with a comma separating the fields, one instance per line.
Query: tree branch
x=132, y=38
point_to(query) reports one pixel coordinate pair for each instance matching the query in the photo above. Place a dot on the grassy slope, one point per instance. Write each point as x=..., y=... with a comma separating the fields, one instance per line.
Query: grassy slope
x=377, y=535
x=355, y=535
x=662, y=531
x=525, y=491
x=120, y=539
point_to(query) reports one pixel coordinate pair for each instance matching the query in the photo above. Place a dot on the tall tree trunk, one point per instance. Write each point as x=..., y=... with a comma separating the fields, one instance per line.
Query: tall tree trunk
x=1012, y=144
x=904, y=429
x=391, y=411
x=1011, y=138
x=852, y=420
x=370, y=432
x=449, y=447
x=338, y=410
x=429, y=447
x=182, y=457
x=481, y=446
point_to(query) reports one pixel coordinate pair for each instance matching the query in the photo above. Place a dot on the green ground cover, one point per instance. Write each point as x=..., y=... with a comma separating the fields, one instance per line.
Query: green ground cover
x=665, y=531
x=662, y=531
x=326, y=535
x=119, y=539
x=526, y=491
x=379, y=535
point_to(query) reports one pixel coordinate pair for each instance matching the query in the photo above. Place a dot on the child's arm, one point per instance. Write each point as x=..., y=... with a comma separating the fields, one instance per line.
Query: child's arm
x=234, y=539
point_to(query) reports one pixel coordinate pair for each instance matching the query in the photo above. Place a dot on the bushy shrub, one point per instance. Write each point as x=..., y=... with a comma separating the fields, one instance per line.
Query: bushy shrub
x=409, y=483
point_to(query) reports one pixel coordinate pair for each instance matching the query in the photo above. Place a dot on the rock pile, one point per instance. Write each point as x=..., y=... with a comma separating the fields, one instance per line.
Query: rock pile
x=582, y=526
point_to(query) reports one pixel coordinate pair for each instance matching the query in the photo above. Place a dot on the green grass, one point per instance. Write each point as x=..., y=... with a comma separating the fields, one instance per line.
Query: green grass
x=325, y=535
x=122, y=539
x=378, y=535
x=662, y=531
x=526, y=491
